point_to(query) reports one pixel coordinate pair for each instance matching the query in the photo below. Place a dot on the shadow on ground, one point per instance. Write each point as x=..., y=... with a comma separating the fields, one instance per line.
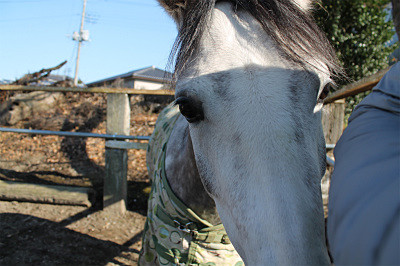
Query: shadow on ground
x=37, y=177
x=138, y=191
x=75, y=148
x=28, y=240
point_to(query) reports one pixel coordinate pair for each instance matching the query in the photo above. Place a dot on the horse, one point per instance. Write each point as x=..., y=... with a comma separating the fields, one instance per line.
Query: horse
x=246, y=146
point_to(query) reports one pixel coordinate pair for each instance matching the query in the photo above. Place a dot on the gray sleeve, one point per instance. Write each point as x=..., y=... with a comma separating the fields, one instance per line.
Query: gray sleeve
x=364, y=198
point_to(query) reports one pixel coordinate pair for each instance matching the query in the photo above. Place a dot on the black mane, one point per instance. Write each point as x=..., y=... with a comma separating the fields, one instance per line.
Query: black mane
x=292, y=29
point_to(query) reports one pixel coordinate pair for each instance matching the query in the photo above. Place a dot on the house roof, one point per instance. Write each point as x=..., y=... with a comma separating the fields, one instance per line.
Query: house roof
x=5, y=82
x=46, y=81
x=148, y=73
x=51, y=79
x=58, y=77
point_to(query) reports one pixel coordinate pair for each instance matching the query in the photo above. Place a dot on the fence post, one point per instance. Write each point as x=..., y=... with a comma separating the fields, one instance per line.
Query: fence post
x=115, y=183
x=333, y=120
x=332, y=123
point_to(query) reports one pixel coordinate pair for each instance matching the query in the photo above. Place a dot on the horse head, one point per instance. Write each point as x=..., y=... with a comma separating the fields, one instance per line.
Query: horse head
x=250, y=77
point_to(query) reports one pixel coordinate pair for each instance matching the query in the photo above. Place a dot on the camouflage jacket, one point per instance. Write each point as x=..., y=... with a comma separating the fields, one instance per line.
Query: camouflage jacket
x=174, y=234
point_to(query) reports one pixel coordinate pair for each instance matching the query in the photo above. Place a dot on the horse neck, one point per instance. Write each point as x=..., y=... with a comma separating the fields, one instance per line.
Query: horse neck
x=183, y=176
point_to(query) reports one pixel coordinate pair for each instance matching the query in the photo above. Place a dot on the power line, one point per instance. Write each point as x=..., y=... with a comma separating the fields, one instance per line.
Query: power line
x=111, y=2
x=38, y=18
x=132, y=2
x=23, y=1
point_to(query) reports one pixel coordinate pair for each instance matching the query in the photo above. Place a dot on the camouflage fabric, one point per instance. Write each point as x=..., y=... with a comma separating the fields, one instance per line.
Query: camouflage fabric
x=174, y=234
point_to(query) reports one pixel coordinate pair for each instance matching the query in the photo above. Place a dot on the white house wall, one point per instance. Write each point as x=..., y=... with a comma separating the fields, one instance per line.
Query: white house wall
x=146, y=85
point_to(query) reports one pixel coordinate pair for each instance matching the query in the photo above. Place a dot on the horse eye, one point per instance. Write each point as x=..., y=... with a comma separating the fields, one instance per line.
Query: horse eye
x=325, y=92
x=190, y=109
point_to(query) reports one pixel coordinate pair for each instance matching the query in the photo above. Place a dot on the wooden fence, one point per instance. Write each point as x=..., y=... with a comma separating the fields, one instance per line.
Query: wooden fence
x=118, y=124
x=357, y=87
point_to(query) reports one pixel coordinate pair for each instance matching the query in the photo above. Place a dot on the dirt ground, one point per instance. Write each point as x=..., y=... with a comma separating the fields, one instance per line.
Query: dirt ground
x=43, y=234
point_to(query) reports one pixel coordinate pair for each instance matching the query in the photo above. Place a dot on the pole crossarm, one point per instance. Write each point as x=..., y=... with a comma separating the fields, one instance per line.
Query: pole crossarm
x=87, y=90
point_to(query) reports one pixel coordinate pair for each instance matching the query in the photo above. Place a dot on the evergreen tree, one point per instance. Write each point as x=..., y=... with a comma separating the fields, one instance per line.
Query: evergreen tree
x=360, y=31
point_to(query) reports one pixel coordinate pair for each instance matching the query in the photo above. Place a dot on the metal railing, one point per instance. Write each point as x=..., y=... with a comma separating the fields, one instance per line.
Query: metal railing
x=72, y=134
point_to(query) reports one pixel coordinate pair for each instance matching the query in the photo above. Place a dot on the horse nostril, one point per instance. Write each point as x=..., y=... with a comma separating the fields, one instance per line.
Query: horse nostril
x=190, y=109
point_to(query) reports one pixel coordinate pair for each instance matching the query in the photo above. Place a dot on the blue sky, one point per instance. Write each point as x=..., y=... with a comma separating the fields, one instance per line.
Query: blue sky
x=125, y=35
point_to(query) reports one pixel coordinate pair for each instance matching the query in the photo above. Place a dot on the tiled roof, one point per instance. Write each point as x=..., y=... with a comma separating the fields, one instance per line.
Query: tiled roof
x=152, y=73
x=5, y=81
x=49, y=80
x=58, y=77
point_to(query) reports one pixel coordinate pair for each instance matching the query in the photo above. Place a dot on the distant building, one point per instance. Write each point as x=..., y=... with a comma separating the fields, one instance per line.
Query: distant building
x=53, y=80
x=50, y=80
x=5, y=82
x=149, y=78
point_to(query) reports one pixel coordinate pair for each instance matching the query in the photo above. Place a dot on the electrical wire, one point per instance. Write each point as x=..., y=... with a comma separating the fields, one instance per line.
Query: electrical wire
x=131, y=2
x=38, y=18
x=22, y=1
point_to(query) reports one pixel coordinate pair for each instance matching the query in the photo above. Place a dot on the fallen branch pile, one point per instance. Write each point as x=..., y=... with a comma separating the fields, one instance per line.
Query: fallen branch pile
x=37, y=76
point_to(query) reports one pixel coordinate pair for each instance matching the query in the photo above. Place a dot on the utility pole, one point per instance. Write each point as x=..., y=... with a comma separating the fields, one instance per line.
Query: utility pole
x=80, y=37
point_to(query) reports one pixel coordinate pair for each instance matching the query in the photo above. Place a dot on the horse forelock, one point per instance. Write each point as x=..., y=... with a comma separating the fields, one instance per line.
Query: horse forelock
x=291, y=28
